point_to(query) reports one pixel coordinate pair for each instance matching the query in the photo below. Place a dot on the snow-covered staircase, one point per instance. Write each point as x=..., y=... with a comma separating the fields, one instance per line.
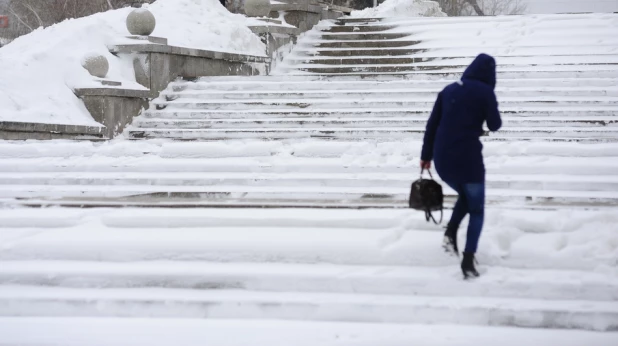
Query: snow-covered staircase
x=543, y=269
x=327, y=130
x=526, y=46
x=378, y=79
x=346, y=108
x=339, y=125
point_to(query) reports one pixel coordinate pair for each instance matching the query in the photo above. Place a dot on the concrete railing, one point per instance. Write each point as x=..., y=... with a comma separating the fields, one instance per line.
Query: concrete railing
x=156, y=64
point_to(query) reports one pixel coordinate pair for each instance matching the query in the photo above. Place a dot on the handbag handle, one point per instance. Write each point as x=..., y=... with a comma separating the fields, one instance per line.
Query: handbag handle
x=428, y=170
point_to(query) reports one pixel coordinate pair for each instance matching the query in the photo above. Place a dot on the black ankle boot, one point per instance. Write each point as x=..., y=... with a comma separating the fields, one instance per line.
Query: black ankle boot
x=467, y=266
x=450, y=240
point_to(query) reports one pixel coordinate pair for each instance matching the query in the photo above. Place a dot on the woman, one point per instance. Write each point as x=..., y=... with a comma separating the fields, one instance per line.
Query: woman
x=452, y=140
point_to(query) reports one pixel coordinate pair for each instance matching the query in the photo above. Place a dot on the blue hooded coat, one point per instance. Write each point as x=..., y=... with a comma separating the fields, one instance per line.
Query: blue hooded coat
x=456, y=123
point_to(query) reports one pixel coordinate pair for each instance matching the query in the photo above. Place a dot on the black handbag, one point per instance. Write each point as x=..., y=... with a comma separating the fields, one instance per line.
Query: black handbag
x=426, y=195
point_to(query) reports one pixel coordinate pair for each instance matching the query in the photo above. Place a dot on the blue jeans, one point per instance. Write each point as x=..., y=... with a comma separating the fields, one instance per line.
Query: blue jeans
x=471, y=201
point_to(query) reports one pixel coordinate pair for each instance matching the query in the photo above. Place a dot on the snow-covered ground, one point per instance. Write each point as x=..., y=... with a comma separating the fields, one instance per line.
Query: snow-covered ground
x=40, y=70
x=172, y=332
x=362, y=277
x=564, y=239
x=401, y=8
x=426, y=8
x=565, y=6
x=321, y=268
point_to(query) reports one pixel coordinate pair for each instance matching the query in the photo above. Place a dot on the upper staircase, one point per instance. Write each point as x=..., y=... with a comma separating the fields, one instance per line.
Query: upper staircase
x=340, y=122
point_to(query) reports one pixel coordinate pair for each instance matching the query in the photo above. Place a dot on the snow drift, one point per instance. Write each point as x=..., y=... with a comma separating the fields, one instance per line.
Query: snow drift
x=41, y=69
x=401, y=8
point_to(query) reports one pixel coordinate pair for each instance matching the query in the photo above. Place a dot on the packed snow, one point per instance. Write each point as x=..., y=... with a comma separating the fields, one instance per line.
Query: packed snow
x=40, y=70
x=401, y=8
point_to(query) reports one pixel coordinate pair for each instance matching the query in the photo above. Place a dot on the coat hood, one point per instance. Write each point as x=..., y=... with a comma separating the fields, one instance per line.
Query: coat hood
x=482, y=69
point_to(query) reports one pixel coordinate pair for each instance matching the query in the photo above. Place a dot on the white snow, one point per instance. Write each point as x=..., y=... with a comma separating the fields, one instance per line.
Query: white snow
x=544, y=265
x=401, y=8
x=564, y=239
x=566, y=6
x=195, y=332
x=316, y=277
x=553, y=269
x=40, y=70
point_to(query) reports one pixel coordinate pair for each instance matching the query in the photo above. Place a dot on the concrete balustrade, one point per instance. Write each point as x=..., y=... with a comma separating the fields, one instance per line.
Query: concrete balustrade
x=157, y=63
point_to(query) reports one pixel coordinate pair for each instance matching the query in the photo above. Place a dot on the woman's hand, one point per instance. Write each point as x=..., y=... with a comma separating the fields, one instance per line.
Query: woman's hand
x=425, y=164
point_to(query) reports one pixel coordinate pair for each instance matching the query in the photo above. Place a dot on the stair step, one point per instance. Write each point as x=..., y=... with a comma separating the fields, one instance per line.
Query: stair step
x=462, y=62
x=408, y=82
x=37, y=301
x=368, y=44
x=553, y=114
x=367, y=61
x=358, y=134
x=562, y=70
x=553, y=21
x=236, y=81
x=60, y=153
x=382, y=92
x=470, y=39
x=353, y=122
x=364, y=36
x=428, y=63
x=205, y=202
x=461, y=52
x=359, y=52
x=341, y=196
x=357, y=28
x=507, y=36
x=607, y=103
x=459, y=65
x=282, y=277
x=32, y=181
x=356, y=21
x=210, y=157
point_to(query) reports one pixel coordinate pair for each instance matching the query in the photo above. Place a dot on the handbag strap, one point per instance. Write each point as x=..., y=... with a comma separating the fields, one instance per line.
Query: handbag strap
x=428, y=216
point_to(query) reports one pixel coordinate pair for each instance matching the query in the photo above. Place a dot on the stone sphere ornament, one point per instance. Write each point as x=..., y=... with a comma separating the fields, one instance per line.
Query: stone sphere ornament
x=96, y=65
x=257, y=8
x=141, y=22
